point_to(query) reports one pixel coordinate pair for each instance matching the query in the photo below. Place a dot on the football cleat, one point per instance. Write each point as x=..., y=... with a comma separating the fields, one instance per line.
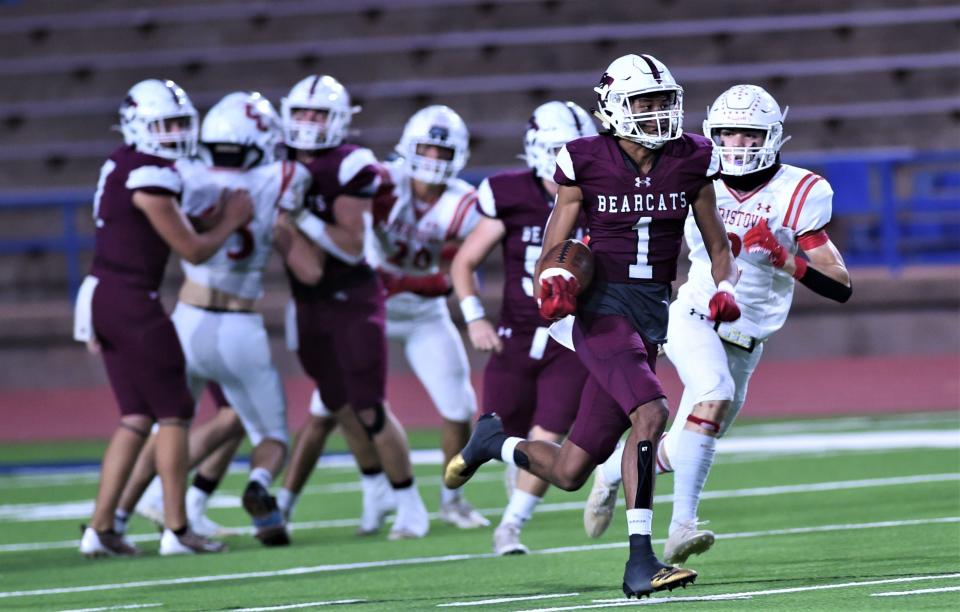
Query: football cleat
x=598, y=512
x=188, y=544
x=267, y=518
x=150, y=505
x=461, y=514
x=378, y=502
x=645, y=575
x=200, y=523
x=685, y=541
x=484, y=444
x=506, y=540
x=95, y=544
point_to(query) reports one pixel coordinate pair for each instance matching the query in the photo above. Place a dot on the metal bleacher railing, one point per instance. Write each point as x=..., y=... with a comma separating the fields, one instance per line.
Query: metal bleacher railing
x=891, y=208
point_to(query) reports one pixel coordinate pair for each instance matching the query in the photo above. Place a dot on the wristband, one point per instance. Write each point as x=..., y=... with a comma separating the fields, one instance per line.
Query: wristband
x=726, y=286
x=801, y=265
x=472, y=309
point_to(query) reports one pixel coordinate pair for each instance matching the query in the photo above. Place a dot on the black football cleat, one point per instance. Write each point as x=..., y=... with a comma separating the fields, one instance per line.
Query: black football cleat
x=484, y=444
x=645, y=575
x=267, y=518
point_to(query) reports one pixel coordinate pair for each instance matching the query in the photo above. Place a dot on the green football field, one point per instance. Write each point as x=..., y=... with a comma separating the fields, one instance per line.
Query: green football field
x=851, y=513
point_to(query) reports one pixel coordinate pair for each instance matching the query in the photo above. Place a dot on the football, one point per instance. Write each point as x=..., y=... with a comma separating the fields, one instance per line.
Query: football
x=570, y=257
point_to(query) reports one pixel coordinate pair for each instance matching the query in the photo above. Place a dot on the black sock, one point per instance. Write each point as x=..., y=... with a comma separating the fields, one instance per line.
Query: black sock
x=404, y=484
x=180, y=532
x=371, y=471
x=207, y=485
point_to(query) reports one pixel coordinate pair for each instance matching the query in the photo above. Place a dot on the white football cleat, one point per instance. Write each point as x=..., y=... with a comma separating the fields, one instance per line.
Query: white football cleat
x=685, y=541
x=412, y=520
x=459, y=513
x=598, y=512
x=378, y=502
x=189, y=543
x=196, y=503
x=106, y=544
x=506, y=540
x=150, y=505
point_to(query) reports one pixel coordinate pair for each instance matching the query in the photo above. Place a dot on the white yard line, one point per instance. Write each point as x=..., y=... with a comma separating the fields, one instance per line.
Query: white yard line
x=124, y=607
x=917, y=592
x=309, y=604
x=485, y=602
x=22, y=512
x=617, y=603
x=339, y=567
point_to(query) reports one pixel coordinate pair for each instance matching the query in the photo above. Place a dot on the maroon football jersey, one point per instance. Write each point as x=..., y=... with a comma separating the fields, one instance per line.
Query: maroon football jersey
x=635, y=219
x=343, y=170
x=518, y=199
x=127, y=247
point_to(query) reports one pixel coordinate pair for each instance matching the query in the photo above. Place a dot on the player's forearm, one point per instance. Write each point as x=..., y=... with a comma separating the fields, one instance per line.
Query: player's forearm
x=462, y=274
x=559, y=226
x=832, y=283
x=723, y=266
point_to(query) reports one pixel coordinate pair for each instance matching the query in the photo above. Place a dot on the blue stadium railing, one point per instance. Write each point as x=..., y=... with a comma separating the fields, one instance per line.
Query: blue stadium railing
x=891, y=208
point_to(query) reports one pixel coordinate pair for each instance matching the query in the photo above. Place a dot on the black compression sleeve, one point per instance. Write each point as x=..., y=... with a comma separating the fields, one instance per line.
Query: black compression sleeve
x=822, y=284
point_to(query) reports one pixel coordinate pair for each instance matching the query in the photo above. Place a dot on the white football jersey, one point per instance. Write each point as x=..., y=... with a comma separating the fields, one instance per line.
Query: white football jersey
x=411, y=234
x=795, y=201
x=237, y=268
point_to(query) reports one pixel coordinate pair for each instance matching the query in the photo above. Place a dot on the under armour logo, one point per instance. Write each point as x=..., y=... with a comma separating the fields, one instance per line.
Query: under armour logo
x=765, y=207
x=645, y=181
x=694, y=313
x=439, y=132
x=505, y=332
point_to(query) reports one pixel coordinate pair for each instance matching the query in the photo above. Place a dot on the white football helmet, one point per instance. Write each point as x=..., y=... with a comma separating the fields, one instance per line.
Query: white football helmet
x=442, y=127
x=242, y=130
x=627, y=78
x=551, y=126
x=746, y=107
x=321, y=93
x=158, y=118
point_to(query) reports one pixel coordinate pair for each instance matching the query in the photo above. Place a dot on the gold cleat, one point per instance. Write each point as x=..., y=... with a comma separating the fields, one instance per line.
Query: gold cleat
x=457, y=472
x=670, y=578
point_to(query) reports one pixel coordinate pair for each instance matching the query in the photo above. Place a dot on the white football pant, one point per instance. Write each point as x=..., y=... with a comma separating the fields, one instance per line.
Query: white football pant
x=231, y=348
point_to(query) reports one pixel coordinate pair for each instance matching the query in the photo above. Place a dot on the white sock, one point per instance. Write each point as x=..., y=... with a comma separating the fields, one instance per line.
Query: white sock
x=506, y=451
x=448, y=496
x=640, y=521
x=370, y=483
x=691, y=458
x=520, y=508
x=286, y=501
x=407, y=496
x=611, y=467
x=262, y=476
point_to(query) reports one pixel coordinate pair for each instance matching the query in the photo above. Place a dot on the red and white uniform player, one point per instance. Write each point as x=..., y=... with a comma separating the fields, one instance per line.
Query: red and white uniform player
x=426, y=209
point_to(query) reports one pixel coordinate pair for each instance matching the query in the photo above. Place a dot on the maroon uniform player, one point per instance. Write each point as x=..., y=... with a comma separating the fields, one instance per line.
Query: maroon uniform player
x=636, y=184
x=530, y=381
x=138, y=221
x=340, y=312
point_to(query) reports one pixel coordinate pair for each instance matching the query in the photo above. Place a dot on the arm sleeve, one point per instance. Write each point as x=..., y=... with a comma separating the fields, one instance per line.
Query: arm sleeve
x=813, y=206
x=155, y=179
x=564, y=174
x=486, y=203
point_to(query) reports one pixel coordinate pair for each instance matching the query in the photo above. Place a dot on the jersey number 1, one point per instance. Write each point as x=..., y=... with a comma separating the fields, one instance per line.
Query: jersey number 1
x=642, y=269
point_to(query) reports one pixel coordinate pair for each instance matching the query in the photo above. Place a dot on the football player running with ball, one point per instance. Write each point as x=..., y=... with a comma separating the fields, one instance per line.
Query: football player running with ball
x=636, y=184
x=531, y=381
x=770, y=211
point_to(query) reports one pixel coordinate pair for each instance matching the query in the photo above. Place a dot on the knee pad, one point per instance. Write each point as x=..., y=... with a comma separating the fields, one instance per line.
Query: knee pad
x=372, y=418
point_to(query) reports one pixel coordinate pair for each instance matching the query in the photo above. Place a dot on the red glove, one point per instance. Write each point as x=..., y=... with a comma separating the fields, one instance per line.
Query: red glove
x=432, y=285
x=723, y=306
x=759, y=239
x=558, y=297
